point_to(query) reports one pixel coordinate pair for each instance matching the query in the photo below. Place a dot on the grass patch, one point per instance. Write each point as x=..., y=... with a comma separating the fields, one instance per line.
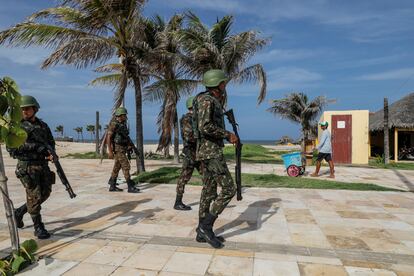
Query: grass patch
x=169, y=175
x=392, y=165
x=85, y=155
x=255, y=154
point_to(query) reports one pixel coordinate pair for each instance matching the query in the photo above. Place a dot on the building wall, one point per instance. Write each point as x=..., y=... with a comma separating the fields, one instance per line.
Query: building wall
x=360, y=132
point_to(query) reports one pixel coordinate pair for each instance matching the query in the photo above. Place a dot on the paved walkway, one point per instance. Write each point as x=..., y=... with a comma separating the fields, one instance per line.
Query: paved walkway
x=270, y=232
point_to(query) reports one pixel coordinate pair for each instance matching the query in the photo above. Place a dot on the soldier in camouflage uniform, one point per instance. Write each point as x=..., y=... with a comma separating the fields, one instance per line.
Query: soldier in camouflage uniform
x=189, y=151
x=209, y=129
x=119, y=143
x=32, y=166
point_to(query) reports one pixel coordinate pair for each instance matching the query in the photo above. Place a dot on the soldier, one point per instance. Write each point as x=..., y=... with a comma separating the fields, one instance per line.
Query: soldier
x=189, y=151
x=32, y=166
x=119, y=143
x=209, y=129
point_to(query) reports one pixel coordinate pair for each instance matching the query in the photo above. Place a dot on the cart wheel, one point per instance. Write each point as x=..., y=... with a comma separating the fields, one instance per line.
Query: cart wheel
x=293, y=171
x=302, y=170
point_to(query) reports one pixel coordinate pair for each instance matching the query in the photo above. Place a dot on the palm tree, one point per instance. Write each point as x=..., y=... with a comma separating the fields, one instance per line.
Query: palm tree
x=59, y=129
x=78, y=131
x=297, y=108
x=81, y=132
x=170, y=78
x=217, y=48
x=87, y=32
x=91, y=130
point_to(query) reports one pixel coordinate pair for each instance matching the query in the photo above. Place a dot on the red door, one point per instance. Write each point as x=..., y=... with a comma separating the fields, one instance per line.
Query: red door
x=342, y=139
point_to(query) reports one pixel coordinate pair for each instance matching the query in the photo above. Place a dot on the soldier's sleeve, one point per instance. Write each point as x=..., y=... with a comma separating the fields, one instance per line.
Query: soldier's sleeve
x=50, y=139
x=206, y=123
x=187, y=129
x=111, y=128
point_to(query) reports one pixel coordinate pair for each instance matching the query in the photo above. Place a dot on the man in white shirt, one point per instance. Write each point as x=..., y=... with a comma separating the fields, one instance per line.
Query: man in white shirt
x=325, y=151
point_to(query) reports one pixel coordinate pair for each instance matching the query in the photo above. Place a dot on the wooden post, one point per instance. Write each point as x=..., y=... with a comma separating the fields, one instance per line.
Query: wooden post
x=97, y=133
x=8, y=207
x=396, y=144
x=386, y=134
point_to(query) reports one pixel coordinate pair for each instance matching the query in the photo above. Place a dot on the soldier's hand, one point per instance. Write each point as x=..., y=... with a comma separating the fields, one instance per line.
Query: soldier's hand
x=49, y=157
x=110, y=155
x=233, y=138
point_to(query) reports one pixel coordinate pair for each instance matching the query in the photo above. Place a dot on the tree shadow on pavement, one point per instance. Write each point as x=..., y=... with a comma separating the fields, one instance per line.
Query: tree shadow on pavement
x=120, y=213
x=405, y=180
x=252, y=225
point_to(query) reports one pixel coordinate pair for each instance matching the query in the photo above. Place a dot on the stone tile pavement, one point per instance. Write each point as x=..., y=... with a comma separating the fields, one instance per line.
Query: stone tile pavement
x=270, y=232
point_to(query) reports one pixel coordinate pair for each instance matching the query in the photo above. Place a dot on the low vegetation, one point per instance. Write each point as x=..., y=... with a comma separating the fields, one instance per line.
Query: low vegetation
x=255, y=154
x=169, y=175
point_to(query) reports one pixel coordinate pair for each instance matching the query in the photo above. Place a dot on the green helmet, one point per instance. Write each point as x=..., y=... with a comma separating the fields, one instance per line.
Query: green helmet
x=27, y=100
x=212, y=78
x=121, y=111
x=189, y=102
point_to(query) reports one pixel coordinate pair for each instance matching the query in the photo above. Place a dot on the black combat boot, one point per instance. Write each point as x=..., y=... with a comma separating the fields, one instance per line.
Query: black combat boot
x=205, y=231
x=18, y=215
x=179, y=205
x=199, y=238
x=112, y=185
x=40, y=231
x=131, y=186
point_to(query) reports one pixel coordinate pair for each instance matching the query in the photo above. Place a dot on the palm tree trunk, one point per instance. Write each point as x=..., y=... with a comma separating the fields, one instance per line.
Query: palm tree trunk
x=97, y=133
x=8, y=207
x=139, y=126
x=386, y=135
x=176, y=139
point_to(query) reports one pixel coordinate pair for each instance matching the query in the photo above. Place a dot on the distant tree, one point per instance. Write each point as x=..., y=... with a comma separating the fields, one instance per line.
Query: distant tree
x=59, y=129
x=78, y=131
x=91, y=130
x=297, y=108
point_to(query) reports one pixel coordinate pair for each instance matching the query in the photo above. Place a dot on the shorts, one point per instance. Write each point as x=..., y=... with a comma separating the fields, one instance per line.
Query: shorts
x=326, y=156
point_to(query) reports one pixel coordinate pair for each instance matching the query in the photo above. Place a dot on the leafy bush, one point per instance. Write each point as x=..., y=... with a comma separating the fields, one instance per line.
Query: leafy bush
x=19, y=259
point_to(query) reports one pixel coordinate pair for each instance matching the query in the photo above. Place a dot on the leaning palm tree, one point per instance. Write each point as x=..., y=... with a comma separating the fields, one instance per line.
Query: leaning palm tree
x=59, y=129
x=170, y=83
x=218, y=48
x=88, y=32
x=297, y=108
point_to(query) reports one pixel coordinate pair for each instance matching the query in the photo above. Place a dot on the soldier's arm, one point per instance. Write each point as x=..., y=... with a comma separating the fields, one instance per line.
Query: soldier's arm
x=187, y=130
x=51, y=140
x=206, y=123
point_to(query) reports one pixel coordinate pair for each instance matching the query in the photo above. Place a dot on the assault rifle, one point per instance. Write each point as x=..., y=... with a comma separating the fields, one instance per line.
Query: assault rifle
x=60, y=171
x=230, y=117
x=131, y=149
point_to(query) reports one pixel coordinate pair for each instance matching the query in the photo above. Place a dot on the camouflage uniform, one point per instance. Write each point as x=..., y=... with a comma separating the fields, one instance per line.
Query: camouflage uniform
x=189, y=151
x=210, y=131
x=120, y=136
x=32, y=167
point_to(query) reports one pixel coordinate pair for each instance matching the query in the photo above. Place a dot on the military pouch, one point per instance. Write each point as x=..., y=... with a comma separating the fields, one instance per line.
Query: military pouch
x=21, y=173
x=216, y=166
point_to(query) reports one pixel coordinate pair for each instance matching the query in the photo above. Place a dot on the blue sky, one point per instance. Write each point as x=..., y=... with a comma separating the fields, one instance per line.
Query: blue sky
x=356, y=52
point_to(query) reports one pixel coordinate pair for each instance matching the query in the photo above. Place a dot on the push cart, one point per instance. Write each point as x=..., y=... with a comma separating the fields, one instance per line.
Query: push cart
x=293, y=164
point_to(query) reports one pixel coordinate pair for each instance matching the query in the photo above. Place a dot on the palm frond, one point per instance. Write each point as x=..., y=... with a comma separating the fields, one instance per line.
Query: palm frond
x=254, y=73
x=81, y=53
x=112, y=79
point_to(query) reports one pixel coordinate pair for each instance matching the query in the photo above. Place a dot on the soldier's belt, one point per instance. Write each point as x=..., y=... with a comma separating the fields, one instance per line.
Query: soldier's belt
x=33, y=162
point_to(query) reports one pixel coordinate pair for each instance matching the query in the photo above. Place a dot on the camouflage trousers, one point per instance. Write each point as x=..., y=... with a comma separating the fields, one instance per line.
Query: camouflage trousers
x=189, y=164
x=37, y=179
x=121, y=161
x=215, y=173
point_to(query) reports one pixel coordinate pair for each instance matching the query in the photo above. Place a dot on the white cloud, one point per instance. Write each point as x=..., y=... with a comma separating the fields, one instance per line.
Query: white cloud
x=276, y=55
x=389, y=75
x=24, y=56
x=291, y=78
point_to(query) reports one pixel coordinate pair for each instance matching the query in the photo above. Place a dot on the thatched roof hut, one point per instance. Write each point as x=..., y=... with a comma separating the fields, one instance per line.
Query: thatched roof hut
x=401, y=115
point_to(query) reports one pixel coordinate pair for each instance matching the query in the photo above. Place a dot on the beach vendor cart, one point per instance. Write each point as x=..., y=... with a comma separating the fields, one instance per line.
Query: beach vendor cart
x=293, y=163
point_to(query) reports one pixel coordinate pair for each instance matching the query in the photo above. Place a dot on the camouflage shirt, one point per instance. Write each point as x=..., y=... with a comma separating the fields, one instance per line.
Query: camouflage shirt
x=210, y=127
x=38, y=134
x=187, y=134
x=120, y=134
